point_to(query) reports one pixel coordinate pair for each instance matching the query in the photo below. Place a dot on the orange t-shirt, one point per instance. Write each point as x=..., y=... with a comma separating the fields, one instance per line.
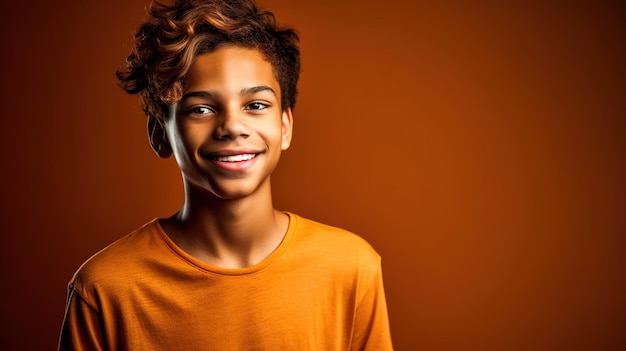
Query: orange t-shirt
x=321, y=289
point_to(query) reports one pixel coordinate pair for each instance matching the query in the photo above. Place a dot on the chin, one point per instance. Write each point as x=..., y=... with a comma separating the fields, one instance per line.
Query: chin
x=230, y=195
x=236, y=191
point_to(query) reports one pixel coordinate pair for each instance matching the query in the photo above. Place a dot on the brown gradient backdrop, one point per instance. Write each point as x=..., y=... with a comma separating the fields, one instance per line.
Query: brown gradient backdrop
x=479, y=146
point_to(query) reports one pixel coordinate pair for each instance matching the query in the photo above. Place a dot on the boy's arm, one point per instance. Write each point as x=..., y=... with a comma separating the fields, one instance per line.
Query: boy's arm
x=82, y=327
x=371, y=328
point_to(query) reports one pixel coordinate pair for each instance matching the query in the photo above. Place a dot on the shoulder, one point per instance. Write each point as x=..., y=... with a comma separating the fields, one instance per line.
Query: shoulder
x=333, y=243
x=335, y=253
x=116, y=263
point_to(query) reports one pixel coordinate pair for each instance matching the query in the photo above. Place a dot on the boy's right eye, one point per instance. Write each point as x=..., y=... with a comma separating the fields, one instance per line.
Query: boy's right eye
x=200, y=110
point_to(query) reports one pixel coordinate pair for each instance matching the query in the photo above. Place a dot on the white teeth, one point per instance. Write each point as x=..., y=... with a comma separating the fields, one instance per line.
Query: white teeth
x=235, y=158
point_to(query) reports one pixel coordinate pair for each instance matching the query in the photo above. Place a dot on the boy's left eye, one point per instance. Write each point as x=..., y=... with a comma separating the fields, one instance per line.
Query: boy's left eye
x=256, y=106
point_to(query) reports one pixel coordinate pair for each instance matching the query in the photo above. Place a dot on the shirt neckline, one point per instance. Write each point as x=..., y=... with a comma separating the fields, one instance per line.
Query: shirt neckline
x=208, y=268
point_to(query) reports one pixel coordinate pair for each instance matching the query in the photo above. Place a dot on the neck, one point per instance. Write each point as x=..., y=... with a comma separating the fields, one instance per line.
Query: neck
x=230, y=233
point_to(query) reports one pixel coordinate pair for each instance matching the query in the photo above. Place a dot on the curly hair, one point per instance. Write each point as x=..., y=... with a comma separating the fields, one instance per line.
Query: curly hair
x=167, y=43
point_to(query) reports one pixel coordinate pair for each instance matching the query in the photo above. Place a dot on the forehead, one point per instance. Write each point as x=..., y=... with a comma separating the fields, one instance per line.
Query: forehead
x=230, y=68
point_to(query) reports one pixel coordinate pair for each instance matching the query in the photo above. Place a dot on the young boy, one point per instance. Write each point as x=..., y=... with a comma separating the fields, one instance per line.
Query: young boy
x=217, y=79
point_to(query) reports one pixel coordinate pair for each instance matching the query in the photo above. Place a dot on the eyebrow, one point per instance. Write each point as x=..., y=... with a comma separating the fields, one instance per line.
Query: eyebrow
x=258, y=89
x=244, y=91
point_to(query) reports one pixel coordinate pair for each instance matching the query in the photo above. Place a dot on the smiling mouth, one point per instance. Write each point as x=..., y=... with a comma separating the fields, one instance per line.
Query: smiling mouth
x=234, y=158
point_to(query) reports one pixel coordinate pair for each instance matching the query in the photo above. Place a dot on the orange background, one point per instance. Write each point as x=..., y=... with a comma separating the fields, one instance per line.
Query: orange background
x=479, y=146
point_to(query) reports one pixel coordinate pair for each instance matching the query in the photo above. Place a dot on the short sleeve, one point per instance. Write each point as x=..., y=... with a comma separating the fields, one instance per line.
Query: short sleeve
x=371, y=328
x=82, y=326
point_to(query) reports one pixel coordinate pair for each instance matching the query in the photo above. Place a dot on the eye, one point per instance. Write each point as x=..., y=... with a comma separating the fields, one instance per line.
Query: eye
x=257, y=106
x=200, y=110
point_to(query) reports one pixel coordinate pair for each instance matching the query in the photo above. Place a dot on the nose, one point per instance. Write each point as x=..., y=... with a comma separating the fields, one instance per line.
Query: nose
x=231, y=125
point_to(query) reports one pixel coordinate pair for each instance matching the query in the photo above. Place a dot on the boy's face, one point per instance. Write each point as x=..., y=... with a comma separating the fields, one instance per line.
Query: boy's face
x=228, y=130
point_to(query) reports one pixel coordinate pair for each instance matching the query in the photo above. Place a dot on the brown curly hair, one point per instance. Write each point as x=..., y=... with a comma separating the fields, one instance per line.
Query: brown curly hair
x=167, y=43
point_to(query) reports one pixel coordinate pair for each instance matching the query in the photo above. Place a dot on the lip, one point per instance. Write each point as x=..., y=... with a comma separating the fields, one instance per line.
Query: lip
x=232, y=160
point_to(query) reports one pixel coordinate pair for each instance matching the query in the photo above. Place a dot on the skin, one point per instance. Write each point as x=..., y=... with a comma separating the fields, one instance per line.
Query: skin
x=230, y=110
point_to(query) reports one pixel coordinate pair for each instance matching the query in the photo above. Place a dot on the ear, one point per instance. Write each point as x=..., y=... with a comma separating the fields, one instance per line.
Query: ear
x=158, y=138
x=287, y=128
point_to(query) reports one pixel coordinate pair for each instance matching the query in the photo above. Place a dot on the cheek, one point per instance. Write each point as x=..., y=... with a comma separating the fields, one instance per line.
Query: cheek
x=268, y=129
x=185, y=138
x=274, y=134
